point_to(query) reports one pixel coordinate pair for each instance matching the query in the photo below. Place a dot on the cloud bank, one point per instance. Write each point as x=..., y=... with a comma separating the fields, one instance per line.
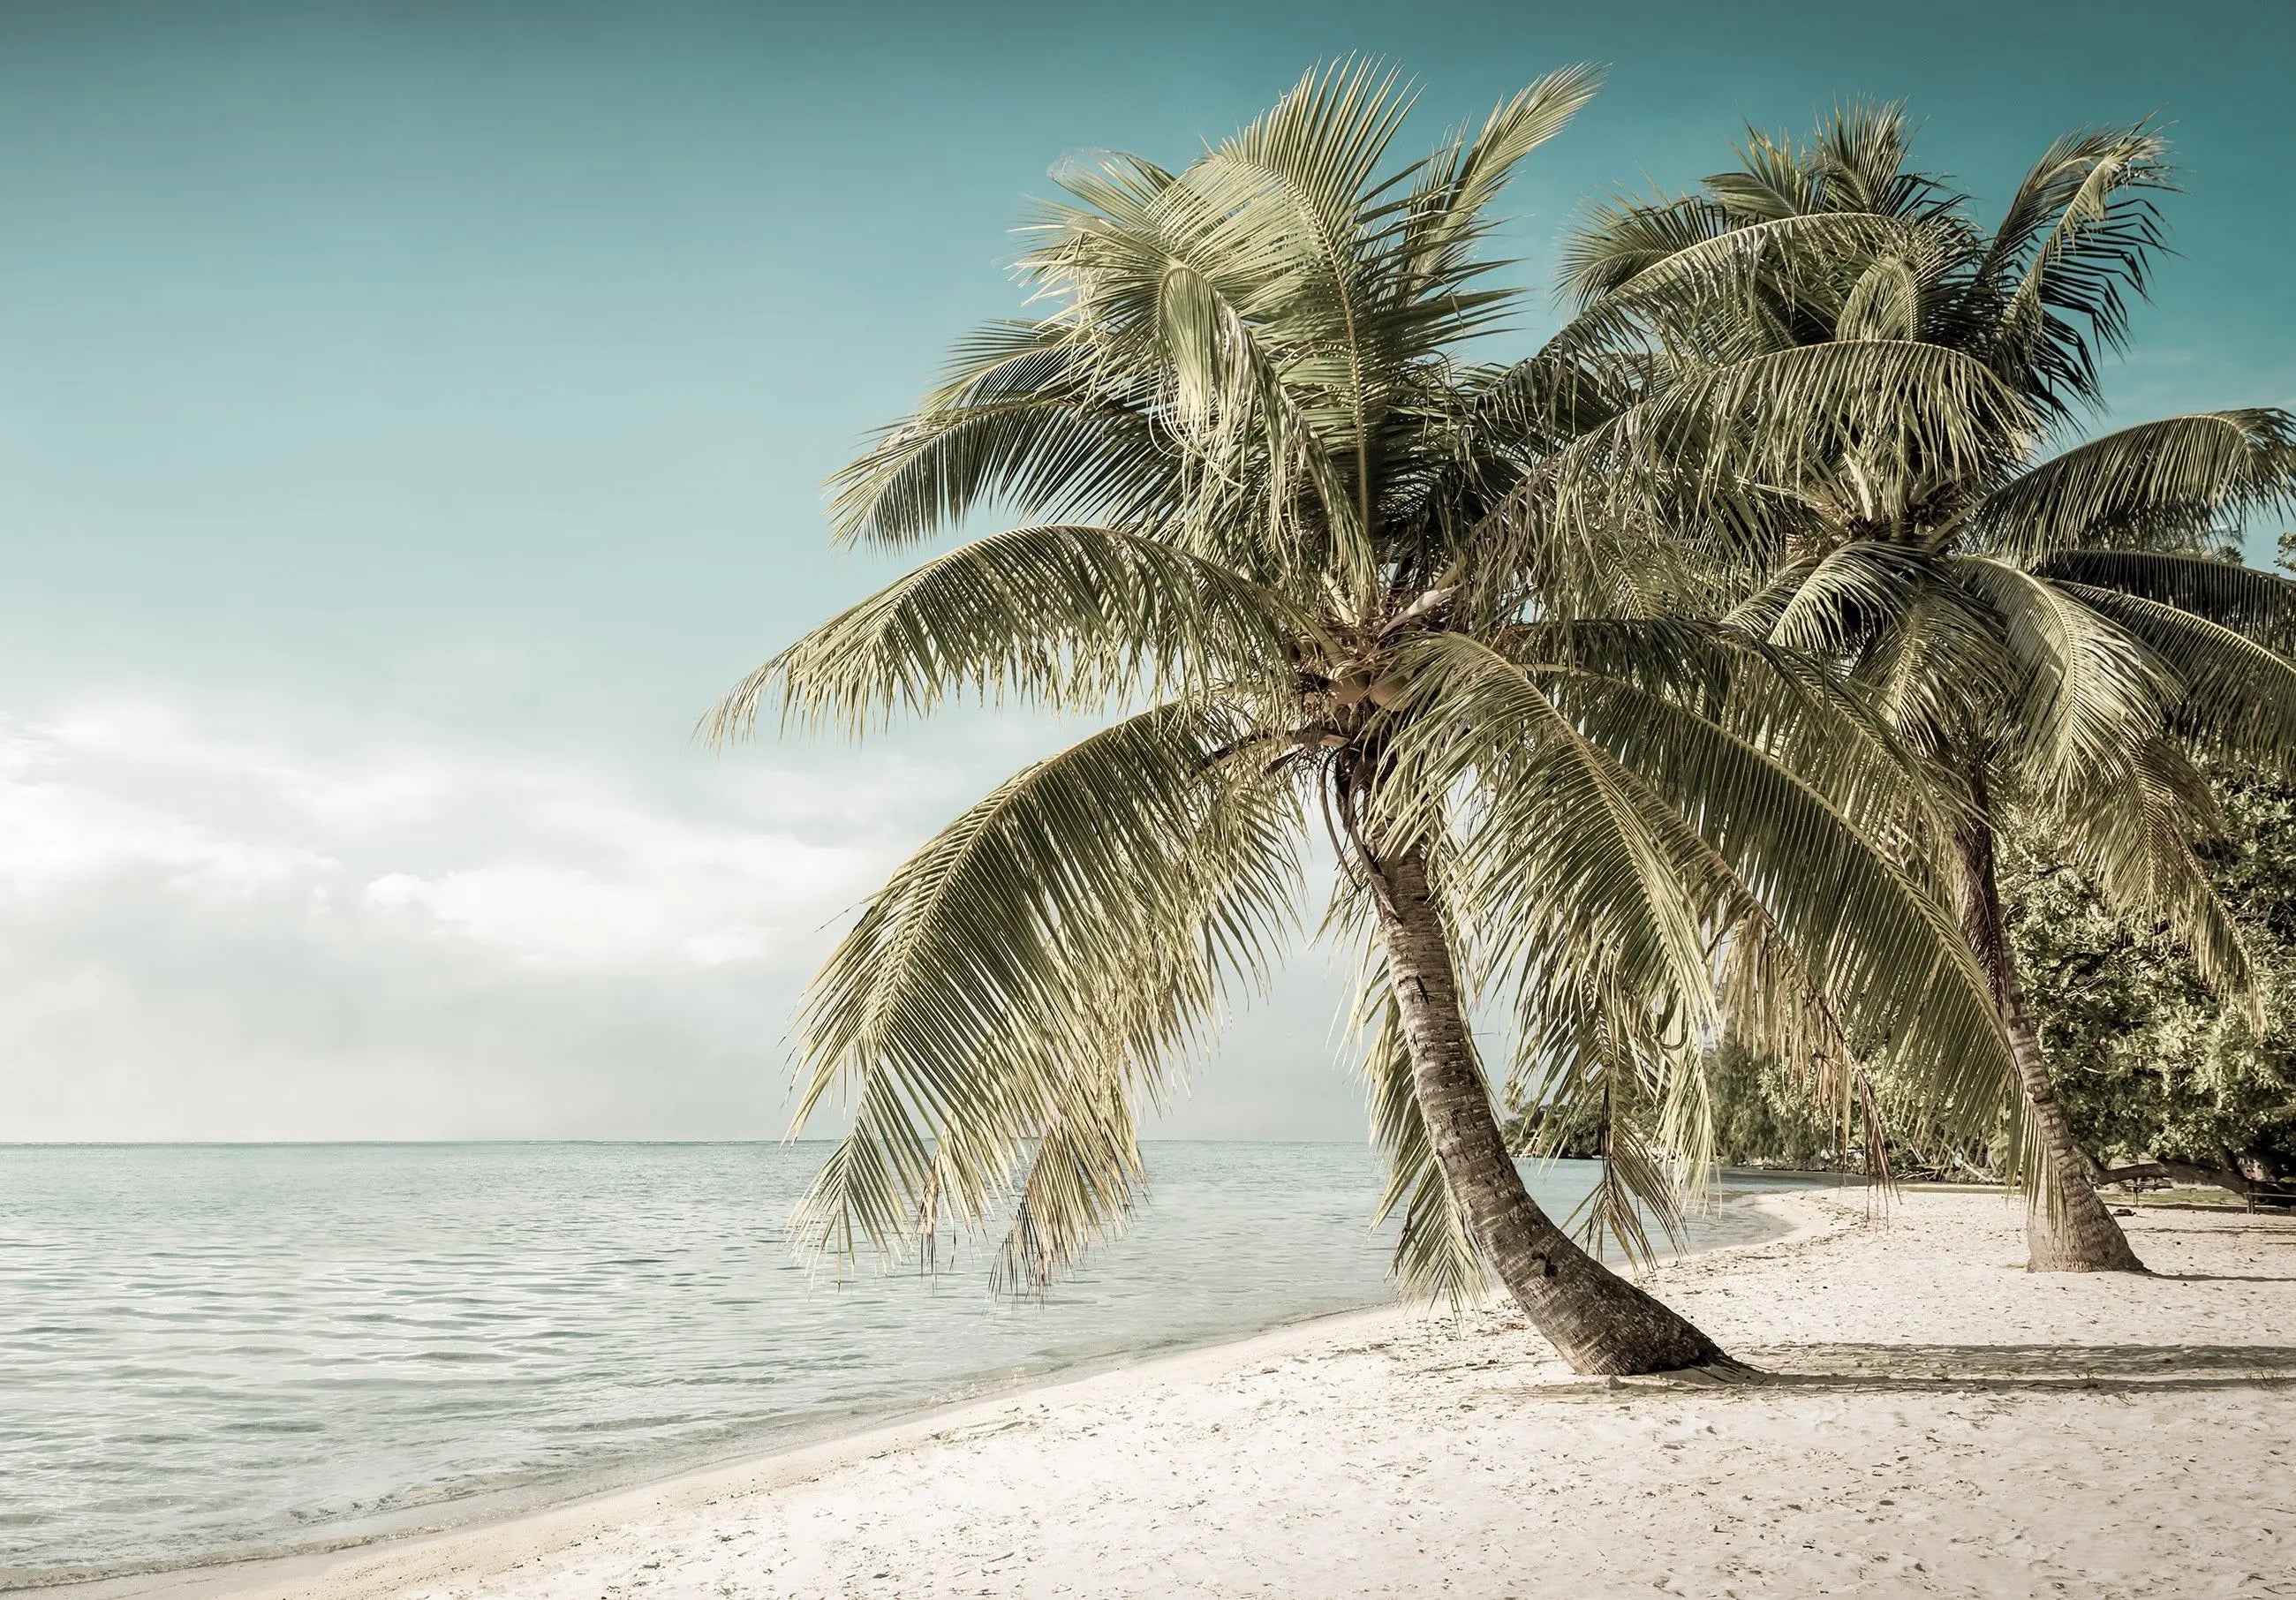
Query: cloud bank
x=205, y=934
x=264, y=929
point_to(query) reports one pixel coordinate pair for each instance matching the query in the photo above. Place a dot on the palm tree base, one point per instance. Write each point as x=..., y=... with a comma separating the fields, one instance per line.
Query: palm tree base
x=1602, y=1324
x=1728, y=1372
x=2055, y=1248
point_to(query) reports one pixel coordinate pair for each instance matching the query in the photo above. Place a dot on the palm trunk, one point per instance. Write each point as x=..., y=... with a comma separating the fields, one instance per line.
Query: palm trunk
x=2069, y=1228
x=1600, y=1322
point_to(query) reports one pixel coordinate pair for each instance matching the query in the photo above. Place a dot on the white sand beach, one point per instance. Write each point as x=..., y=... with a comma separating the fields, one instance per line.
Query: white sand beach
x=1943, y=1423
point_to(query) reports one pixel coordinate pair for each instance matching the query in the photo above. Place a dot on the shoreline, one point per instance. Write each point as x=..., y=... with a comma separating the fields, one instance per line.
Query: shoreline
x=1934, y=1422
x=834, y=1442
x=816, y=1449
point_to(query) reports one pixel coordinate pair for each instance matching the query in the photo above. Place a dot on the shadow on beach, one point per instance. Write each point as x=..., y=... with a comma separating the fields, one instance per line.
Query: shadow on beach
x=2150, y=1368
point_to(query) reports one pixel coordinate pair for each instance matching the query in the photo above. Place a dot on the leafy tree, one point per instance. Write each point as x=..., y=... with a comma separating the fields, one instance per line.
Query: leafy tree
x=2159, y=1077
x=1763, y=1117
x=1272, y=531
x=1847, y=391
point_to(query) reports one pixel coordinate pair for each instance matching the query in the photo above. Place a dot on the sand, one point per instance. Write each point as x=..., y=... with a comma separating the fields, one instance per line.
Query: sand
x=1945, y=1423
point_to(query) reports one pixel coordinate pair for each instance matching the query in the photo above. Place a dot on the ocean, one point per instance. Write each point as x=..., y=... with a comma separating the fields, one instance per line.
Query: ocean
x=218, y=1352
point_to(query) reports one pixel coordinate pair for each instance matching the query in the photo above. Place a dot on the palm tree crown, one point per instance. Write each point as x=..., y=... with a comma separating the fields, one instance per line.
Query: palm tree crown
x=1275, y=529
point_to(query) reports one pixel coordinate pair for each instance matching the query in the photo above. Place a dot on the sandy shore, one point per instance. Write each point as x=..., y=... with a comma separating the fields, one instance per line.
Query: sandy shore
x=1944, y=1424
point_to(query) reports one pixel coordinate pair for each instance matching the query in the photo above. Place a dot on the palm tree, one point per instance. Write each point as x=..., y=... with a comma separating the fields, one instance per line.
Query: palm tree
x=1848, y=388
x=1268, y=534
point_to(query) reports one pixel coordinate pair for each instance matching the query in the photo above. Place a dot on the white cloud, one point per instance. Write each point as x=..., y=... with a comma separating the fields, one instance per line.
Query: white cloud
x=231, y=928
x=58, y=829
x=703, y=907
x=543, y=865
x=206, y=931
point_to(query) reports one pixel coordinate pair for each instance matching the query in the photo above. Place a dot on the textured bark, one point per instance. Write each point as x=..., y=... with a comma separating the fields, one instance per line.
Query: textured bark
x=2226, y=1176
x=2070, y=1227
x=1600, y=1322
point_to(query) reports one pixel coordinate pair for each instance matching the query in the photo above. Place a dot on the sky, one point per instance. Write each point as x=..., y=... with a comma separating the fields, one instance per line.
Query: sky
x=413, y=416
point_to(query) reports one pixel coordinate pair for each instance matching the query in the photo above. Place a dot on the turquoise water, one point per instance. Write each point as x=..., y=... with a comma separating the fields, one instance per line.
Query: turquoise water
x=209, y=1353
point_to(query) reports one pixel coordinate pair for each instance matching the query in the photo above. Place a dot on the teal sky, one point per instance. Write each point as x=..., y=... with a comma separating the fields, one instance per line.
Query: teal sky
x=412, y=415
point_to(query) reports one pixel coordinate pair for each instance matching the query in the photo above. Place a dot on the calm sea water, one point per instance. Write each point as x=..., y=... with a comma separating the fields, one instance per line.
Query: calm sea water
x=210, y=1352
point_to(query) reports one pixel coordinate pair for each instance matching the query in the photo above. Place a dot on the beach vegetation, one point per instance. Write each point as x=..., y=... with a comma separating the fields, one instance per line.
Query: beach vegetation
x=2162, y=1081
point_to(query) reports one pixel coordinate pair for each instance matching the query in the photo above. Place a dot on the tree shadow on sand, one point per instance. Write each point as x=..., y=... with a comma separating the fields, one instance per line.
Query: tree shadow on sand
x=2011, y=1368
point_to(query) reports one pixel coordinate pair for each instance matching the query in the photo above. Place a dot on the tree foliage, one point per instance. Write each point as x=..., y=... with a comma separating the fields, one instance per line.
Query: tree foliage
x=1328, y=577
x=1862, y=404
x=2155, y=1067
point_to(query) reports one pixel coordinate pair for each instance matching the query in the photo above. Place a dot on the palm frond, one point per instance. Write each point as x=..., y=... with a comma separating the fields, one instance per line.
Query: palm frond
x=1593, y=861
x=1623, y=238
x=1832, y=920
x=1677, y=300
x=2235, y=700
x=1724, y=436
x=1098, y=903
x=1067, y=616
x=2256, y=604
x=1604, y=1065
x=1861, y=151
x=1021, y=419
x=1690, y=825
x=1785, y=702
x=1083, y=1178
x=1774, y=179
x=2089, y=693
x=2077, y=241
x=2133, y=840
x=1449, y=207
x=1837, y=601
x=2160, y=484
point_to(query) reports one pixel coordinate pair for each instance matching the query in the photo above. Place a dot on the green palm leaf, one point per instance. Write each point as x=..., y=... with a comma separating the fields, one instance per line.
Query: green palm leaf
x=1066, y=616
x=2090, y=692
x=1641, y=827
x=1098, y=903
x=2260, y=606
x=2170, y=482
x=1023, y=419
x=1447, y=209
x=2237, y=699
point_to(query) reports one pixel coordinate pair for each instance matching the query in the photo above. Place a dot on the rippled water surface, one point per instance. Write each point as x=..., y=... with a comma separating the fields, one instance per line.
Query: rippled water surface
x=214, y=1351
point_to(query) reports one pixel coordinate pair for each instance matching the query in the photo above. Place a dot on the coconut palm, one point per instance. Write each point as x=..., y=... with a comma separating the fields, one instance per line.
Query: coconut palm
x=1267, y=533
x=1847, y=391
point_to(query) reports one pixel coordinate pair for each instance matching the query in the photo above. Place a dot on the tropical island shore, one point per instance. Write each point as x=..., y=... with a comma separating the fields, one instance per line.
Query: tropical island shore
x=1940, y=1422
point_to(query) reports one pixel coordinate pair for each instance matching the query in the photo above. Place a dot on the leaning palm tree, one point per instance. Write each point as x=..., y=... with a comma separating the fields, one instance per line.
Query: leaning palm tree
x=1267, y=535
x=1849, y=390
